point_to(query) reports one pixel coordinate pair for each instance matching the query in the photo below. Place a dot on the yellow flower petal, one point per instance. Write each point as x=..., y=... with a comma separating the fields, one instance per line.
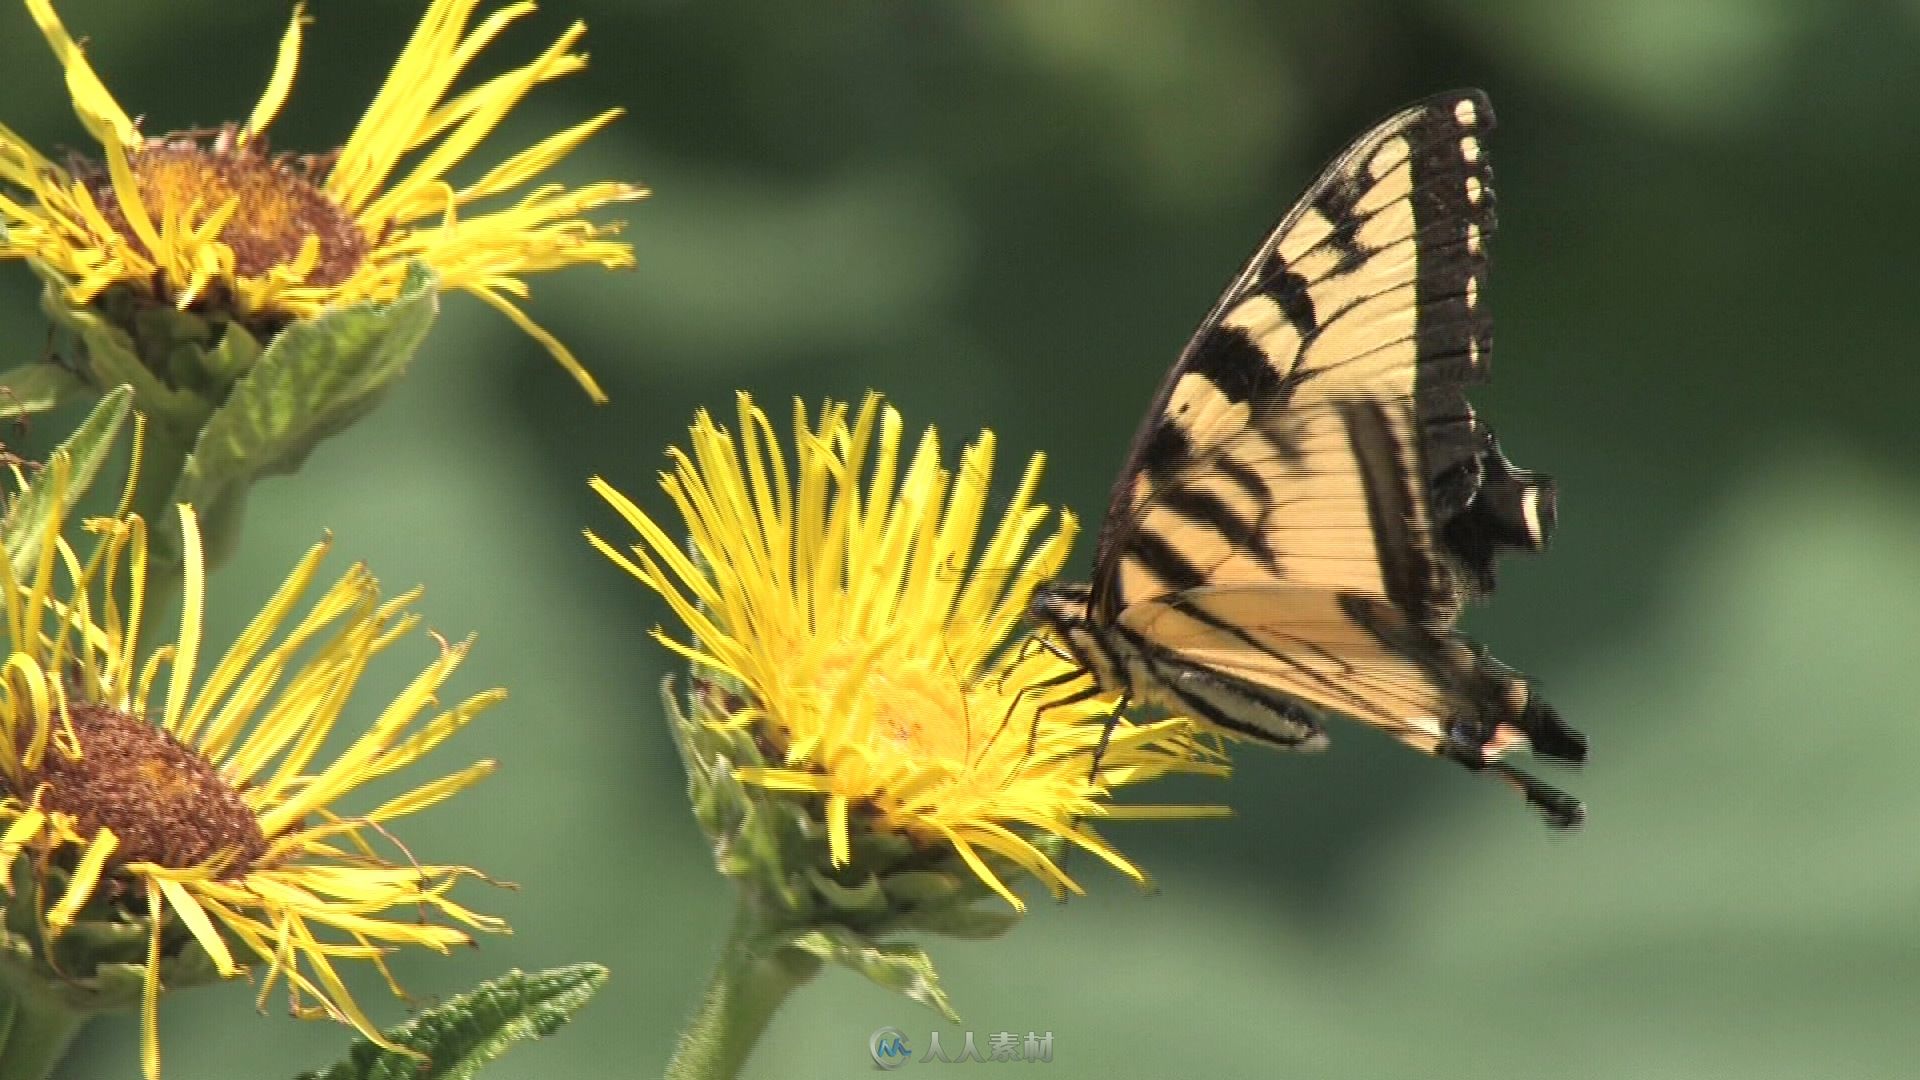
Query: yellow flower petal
x=299, y=898
x=877, y=640
x=86, y=874
x=197, y=220
x=281, y=83
x=91, y=100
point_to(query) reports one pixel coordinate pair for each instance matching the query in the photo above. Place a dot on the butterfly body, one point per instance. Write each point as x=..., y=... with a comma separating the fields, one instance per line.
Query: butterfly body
x=1310, y=500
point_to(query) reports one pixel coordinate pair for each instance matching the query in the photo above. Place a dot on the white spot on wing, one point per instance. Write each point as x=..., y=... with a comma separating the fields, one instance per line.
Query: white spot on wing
x=1464, y=113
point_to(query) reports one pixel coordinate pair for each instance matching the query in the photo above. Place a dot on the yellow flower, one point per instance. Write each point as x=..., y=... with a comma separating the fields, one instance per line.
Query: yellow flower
x=213, y=221
x=874, y=643
x=213, y=807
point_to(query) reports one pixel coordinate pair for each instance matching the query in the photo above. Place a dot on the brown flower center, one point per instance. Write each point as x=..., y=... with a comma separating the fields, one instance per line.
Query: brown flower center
x=165, y=803
x=190, y=177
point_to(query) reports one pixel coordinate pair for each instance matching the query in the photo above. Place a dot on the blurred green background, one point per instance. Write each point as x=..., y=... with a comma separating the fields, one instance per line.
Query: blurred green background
x=1011, y=215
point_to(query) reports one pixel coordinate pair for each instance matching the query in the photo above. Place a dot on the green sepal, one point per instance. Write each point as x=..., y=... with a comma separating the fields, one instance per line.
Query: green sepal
x=99, y=962
x=863, y=900
x=896, y=966
x=776, y=847
x=455, y=1040
x=38, y=387
x=314, y=380
x=111, y=357
x=223, y=408
x=80, y=458
x=963, y=920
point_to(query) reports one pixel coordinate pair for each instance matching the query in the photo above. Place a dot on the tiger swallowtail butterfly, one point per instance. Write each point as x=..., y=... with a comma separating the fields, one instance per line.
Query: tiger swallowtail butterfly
x=1310, y=499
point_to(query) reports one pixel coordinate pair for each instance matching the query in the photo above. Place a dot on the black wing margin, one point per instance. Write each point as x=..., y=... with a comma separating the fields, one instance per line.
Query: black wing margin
x=1246, y=474
x=1480, y=502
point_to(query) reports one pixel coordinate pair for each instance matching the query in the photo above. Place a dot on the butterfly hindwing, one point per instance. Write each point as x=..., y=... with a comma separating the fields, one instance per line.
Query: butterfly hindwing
x=1311, y=499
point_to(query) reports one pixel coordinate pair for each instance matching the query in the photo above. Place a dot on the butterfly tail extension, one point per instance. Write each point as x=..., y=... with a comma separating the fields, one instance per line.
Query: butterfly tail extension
x=1311, y=500
x=1561, y=810
x=1549, y=735
x=1540, y=727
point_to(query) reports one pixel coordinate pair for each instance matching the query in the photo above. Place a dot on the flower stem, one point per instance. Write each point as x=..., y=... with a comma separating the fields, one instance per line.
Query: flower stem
x=36, y=1027
x=748, y=984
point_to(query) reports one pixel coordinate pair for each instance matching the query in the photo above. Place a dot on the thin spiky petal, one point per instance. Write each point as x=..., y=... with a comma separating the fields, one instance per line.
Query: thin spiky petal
x=168, y=218
x=846, y=589
x=297, y=898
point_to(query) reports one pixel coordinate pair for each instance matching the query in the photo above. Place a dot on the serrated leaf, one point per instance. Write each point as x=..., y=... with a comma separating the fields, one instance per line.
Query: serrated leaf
x=85, y=451
x=455, y=1040
x=902, y=968
x=314, y=380
x=37, y=387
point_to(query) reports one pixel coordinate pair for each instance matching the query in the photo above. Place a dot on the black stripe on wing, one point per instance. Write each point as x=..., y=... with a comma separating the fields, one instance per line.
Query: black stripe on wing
x=1407, y=569
x=1450, y=200
x=1415, y=623
x=1233, y=704
x=1236, y=365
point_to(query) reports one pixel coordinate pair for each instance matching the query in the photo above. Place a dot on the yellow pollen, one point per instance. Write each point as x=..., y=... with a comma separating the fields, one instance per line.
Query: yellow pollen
x=920, y=709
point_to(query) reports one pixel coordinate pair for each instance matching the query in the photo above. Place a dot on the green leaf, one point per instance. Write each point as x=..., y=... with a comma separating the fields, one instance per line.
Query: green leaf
x=314, y=380
x=80, y=458
x=37, y=387
x=453, y=1041
x=902, y=968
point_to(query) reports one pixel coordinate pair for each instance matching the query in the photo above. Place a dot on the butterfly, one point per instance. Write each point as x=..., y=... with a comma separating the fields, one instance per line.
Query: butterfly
x=1310, y=500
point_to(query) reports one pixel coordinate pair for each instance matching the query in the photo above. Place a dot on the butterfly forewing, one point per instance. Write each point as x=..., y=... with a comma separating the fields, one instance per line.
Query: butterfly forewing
x=1310, y=498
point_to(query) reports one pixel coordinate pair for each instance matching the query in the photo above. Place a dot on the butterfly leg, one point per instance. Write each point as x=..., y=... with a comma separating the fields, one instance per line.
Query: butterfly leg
x=1033, y=643
x=1063, y=679
x=1106, y=735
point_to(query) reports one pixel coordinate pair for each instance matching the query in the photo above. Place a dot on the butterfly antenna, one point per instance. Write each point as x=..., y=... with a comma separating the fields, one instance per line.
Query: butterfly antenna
x=966, y=713
x=950, y=569
x=954, y=567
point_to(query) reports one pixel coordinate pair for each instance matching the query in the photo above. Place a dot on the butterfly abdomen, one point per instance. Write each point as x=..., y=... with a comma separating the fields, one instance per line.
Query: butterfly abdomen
x=1120, y=661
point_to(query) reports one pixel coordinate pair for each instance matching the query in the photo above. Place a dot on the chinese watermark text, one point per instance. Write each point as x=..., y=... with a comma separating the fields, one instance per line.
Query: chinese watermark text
x=891, y=1048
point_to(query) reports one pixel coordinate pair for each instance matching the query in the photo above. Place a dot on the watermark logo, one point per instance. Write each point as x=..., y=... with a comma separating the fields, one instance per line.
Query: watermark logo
x=889, y=1048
